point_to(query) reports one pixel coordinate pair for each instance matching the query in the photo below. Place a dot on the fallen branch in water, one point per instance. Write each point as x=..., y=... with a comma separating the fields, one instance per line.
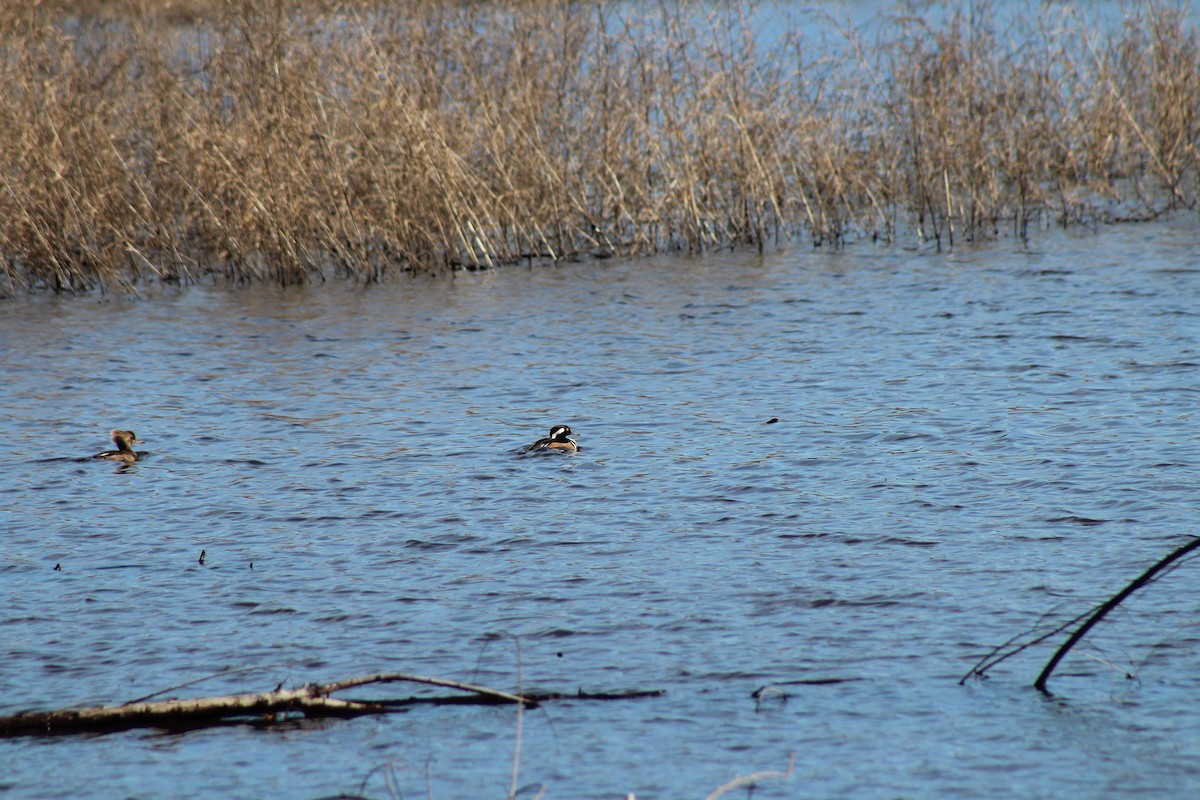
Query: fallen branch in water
x=1088, y=620
x=1102, y=610
x=311, y=701
x=1007, y=650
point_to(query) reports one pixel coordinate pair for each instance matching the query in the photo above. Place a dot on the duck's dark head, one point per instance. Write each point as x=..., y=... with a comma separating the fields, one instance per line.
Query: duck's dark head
x=123, y=439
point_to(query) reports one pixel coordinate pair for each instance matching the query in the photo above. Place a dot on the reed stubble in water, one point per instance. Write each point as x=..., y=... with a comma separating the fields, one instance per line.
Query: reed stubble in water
x=264, y=140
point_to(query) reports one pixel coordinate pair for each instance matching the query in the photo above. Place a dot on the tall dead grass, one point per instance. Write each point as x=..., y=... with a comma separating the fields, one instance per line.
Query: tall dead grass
x=264, y=140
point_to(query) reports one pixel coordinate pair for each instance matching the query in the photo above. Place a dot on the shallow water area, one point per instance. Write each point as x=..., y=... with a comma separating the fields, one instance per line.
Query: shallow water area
x=870, y=465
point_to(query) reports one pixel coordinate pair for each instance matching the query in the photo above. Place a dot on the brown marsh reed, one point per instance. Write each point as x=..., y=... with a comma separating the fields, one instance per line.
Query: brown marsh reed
x=290, y=141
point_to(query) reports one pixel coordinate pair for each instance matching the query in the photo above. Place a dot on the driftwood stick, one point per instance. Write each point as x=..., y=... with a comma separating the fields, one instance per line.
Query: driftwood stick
x=311, y=700
x=1103, y=609
x=197, y=711
x=531, y=698
x=395, y=677
x=753, y=778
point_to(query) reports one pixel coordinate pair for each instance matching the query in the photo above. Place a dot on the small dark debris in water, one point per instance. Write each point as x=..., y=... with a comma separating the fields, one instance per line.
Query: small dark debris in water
x=771, y=421
x=203, y=553
x=560, y=655
x=1087, y=522
x=58, y=567
x=251, y=565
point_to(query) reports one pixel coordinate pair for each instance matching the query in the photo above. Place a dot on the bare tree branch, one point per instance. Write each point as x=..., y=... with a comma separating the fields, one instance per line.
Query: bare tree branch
x=1102, y=610
x=311, y=700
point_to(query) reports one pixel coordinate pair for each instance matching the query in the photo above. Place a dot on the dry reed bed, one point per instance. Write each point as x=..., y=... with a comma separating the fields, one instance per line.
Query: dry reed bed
x=261, y=143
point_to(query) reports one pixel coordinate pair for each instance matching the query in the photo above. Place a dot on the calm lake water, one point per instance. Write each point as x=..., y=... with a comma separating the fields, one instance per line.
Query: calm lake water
x=965, y=442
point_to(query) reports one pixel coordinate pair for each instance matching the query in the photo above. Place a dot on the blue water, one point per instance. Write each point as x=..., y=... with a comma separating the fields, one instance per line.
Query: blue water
x=964, y=442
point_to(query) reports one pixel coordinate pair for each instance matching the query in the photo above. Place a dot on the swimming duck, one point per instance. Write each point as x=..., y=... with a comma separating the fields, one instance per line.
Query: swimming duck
x=124, y=440
x=559, y=441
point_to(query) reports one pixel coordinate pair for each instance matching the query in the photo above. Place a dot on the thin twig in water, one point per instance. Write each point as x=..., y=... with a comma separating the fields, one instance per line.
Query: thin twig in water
x=991, y=659
x=393, y=677
x=753, y=778
x=221, y=674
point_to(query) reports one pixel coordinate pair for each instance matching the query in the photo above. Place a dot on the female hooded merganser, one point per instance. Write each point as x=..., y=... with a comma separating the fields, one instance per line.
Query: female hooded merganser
x=559, y=441
x=124, y=440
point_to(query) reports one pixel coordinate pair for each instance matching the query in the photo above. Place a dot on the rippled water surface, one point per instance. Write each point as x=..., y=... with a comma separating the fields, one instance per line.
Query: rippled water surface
x=963, y=442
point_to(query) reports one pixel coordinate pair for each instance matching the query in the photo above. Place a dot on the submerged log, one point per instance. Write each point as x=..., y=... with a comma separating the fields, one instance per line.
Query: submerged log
x=310, y=701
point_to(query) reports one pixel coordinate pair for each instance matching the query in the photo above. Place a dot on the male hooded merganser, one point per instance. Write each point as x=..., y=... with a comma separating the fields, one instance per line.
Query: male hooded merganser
x=559, y=441
x=124, y=440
